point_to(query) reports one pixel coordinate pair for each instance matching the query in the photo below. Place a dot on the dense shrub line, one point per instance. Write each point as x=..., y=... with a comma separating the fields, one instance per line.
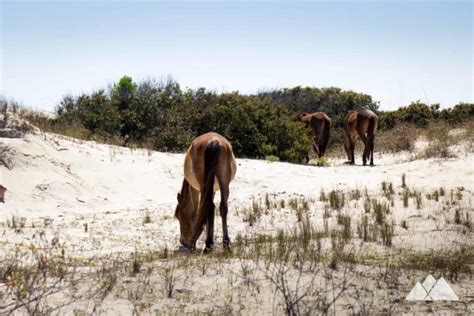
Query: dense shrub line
x=421, y=114
x=161, y=115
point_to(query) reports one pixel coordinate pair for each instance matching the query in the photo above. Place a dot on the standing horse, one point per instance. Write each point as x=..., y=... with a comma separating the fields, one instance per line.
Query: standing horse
x=209, y=165
x=320, y=125
x=358, y=124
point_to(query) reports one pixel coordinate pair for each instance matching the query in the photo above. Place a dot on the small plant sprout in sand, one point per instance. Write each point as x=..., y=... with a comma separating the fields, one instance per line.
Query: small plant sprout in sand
x=457, y=216
x=6, y=156
x=418, y=199
x=322, y=196
x=405, y=197
x=380, y=210
x=387, y=232
x=168, y=274
x=367, y=204
x=404, y=224
x=320, y=162
x=355, y=194
x=345, y=221
x=363, y=228
x=136, y=264
x=253, y=213
x=459, y=193
x=441, y=191
x=16, y=223
x=293, y=203
x=147, y=218
x=336, y=199
x=387, y=189
x=282, y=203
x=267, y=202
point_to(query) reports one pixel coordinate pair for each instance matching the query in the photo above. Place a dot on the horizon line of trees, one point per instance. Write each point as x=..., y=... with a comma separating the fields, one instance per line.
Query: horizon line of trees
x=165, y=117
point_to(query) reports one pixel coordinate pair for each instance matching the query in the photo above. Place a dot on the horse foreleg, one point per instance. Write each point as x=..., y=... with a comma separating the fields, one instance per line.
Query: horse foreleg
x=197, y=231
x=352, y=148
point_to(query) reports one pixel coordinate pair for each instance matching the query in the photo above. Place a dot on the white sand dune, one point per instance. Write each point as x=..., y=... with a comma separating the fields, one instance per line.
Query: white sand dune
x=110, y=188
x=54, y=175
x=91, y=200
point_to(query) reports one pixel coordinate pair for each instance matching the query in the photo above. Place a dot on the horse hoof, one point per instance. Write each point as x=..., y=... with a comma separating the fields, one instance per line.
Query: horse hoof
x=207, y=249
x=185, y=249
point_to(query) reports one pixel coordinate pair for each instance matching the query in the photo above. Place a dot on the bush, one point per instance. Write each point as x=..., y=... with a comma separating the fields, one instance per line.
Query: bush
x=400, y=138
x=272, y=158
x=421, y=114
x=161, y=116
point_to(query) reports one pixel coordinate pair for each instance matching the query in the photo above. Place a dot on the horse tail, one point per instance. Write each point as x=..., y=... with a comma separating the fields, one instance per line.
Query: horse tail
x=206, y=203
x=325, y=140
x=373, y=120
x=347, y=139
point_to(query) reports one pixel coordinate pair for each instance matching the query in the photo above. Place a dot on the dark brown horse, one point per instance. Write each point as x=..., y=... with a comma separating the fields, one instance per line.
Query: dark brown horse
x=320, y=125
x=209, y=165
x=361, y=124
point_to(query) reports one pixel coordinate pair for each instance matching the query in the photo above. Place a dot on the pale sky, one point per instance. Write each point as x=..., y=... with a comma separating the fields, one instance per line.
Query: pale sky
x=396, y=51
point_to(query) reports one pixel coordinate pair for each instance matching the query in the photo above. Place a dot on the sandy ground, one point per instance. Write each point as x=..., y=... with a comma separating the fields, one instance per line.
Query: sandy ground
x=92, y=199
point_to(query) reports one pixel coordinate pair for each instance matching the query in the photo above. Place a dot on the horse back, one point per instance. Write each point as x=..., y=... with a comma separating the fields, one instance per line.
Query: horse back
x=367, y=121
x=194, y=162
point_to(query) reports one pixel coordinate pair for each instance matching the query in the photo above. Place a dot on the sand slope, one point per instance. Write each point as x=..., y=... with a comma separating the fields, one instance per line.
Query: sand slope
x=53, y=175
x=90, y=201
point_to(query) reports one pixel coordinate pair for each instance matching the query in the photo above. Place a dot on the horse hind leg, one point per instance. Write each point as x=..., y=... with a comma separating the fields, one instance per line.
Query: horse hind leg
x=205, y=212
x=323, y=139
x=223, y=208
x=210, y=229
x=316, y=148
x=352, y=149
x=372, y=152
x=365, y=155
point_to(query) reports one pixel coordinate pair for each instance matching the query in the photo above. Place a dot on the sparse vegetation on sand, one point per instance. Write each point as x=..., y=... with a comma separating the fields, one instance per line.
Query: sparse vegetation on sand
x=301, y=268
x=335, y=244
x=6, y=156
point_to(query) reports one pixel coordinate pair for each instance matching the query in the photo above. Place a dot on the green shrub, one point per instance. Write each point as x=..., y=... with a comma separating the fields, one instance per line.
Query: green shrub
x=162, y=116
x=272, y=158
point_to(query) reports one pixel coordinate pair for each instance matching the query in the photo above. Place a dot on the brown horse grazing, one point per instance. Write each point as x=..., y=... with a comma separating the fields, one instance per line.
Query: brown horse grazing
x=358, y=124
x=209, y=165
x=320, y=125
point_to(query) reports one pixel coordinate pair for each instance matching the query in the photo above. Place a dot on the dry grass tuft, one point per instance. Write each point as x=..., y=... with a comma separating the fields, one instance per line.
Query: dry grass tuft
x=6, y=156
x=400, y=138
x=336, y=199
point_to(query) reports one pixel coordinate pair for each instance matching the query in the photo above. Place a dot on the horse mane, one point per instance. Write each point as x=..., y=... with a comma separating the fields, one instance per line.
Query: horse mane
x=184, y=195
